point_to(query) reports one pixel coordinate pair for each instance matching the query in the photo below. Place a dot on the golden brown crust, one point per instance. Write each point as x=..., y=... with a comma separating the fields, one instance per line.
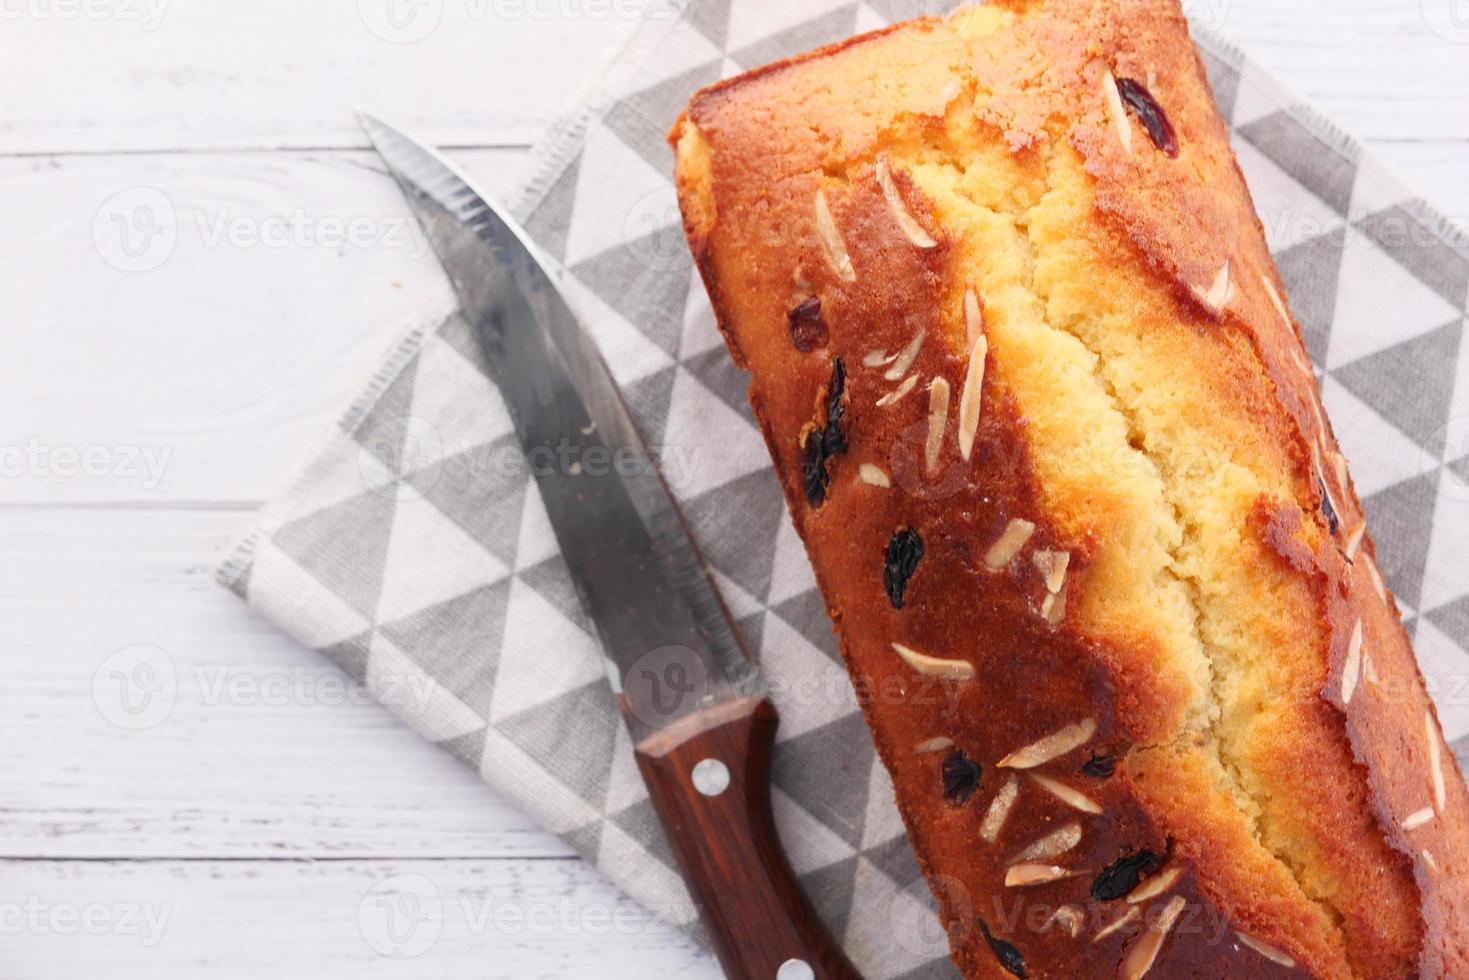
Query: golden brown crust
x=1147, y=408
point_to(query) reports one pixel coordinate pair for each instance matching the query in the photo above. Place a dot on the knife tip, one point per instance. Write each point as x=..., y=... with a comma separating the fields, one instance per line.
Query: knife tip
x=371, y=123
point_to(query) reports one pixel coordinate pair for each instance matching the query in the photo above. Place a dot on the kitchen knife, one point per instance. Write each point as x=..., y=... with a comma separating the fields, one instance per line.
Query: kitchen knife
x=700, y=717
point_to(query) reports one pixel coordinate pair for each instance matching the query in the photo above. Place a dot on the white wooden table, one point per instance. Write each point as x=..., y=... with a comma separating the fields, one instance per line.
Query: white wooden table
x=146, y=414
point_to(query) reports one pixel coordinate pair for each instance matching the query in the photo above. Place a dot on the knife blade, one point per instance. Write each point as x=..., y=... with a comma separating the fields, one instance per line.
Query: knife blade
x=696, y=706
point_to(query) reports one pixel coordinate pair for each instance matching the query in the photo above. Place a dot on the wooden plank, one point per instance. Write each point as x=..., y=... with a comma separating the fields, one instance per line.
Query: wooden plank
x=266, y=751
x=285, y=73
x=204, y=369
x=1376, y=67
x=214, y=74
x=368, y=920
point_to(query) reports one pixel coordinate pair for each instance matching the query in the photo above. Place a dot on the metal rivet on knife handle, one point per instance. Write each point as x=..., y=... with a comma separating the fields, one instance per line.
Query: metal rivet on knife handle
x=711, y=777
x=795, y=970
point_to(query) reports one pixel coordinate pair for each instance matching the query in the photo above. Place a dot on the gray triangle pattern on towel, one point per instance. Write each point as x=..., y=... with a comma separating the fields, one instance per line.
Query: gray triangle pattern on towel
x=751, y=632
x=648, y=399
x=646, y=281
x=586, y=840
x=825, y=29
x=807, y=614
x=1311, y=270
x=331, y=546
x=1453, y=619
x=896, y=11
x=558, y=745
x=482, y=490
x=640, y=822
x=940, y=969
x=711, y=19
x=1411, y=385
x=351, y=655
x=550, y=222
x=641, y=120
x=943, y=969
x=831, y=889
x=1401, y=517
x=458, y=334
x=1224, y=80
x=842, y=753
x=718, y=373
x=468, y=748
x=552, y=582
x=241, y=585
x=1306, y=156
x=1421, y=247
x=740, y=521
x=383, y=429
x=457, y=642
x=579, y=754
x=896, y=859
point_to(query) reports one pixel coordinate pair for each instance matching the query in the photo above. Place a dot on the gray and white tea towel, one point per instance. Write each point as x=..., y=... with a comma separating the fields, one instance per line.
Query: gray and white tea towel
x=415, y=554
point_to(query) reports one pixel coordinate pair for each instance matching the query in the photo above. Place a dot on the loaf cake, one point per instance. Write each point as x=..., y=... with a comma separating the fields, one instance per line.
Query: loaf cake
x=1049, y=433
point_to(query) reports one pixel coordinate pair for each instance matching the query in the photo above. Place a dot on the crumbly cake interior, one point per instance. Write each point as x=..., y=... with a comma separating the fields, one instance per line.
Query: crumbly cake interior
x=1163, y=453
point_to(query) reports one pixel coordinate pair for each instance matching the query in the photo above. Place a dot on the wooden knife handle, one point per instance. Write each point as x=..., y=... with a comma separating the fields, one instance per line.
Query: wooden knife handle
x=751, y=905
